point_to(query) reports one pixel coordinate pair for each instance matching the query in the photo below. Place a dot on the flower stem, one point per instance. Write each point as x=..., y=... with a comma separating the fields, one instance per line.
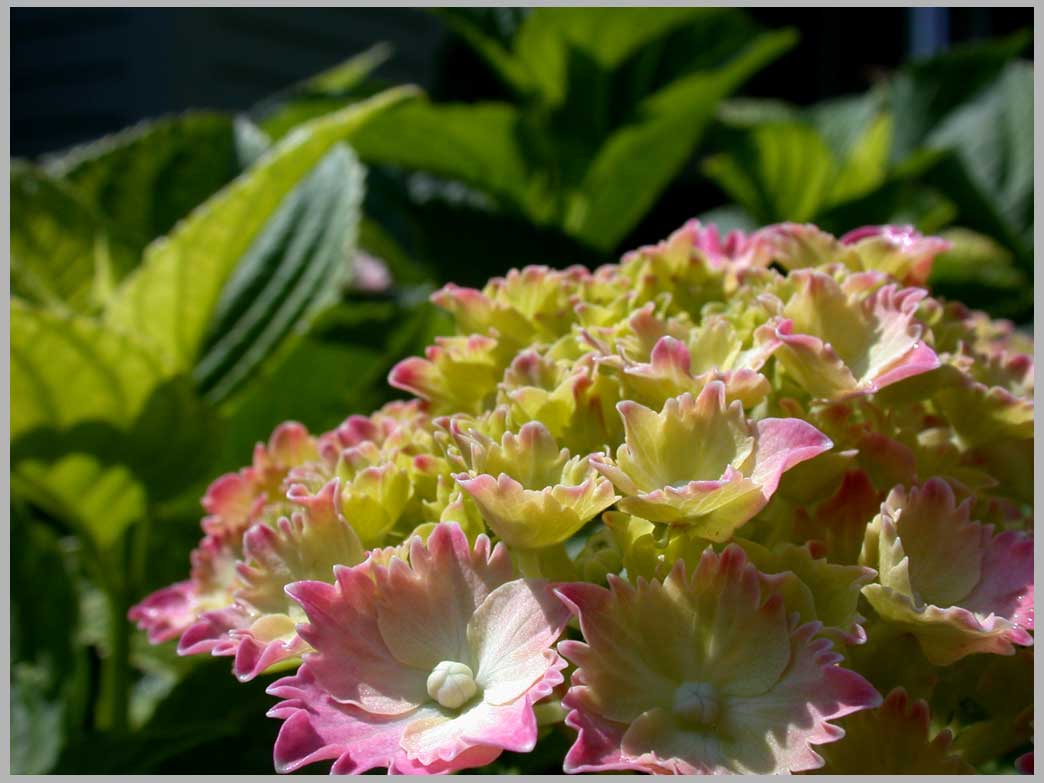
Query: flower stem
x=114, y=700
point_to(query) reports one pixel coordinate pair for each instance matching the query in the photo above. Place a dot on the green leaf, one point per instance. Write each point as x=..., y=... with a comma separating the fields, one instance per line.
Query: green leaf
x=251, y=142
x=607, y=38
x=865, y=164
x=744, y=112
x=170, y=298
x=638, y=161
x=297, y=264
x=321, y=94
x=150, y=176
x=208, y=722
x=477, y=144
x=67, y=369
x=467, y=23
x=925, y=92
x=993, y=138
x=462, y=239
x=776, y=172
x=844, y=121
x=975, y=206
x=977, y=268
x=37, y=722
x=97, y=428
x=49, y=675
x=63, y=253
x=96, y=500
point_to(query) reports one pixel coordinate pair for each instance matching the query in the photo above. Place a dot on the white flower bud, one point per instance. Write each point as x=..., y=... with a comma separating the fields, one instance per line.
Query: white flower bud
x=451, y=684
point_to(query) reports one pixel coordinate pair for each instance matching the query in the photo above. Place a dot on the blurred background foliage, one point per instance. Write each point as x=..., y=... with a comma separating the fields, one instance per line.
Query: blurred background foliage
x=181, y=286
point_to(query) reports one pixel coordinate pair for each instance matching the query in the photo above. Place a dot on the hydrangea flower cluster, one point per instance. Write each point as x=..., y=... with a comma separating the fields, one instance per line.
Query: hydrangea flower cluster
x=745, y=504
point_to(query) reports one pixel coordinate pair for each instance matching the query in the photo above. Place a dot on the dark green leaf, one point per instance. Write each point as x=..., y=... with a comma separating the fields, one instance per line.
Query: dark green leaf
x=37, y=722
x=63, y=253
x=638, y=161
x=776, y=172
x=606, y=38
x=993, y=138
x=978, y=269
x=49, y=677
x=323, y=93
x=209, y=722
x=296, y=265
x=478, y=144
x=926, y=92
x=150, y=176
x=479, y=27
x=339, y=368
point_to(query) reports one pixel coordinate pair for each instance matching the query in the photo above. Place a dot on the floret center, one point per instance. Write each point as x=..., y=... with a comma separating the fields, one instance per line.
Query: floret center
x=696, y=703
x=452, y=684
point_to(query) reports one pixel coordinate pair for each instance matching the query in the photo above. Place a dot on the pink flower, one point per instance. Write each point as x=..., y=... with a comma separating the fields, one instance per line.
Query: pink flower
x=235, y=501
x=167, y=613
x=947, y=579
x=838, y=341
x=259, y=627
x=702, y=463
x=701, y=674
x=900, y=251
x=423, y=668
x=736, y=248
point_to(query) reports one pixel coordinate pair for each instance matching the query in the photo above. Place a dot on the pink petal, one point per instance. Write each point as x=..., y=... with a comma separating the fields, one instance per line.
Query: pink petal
x=511, y=634
x=352, y=661
x=423, y=609
x=782, y=444
x=167, y=612
x=1006, y=585
x=318, y=728
x=210, y=630
x=793, y=715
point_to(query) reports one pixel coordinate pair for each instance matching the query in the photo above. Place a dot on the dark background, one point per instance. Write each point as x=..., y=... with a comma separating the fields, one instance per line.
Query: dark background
x=77, y=74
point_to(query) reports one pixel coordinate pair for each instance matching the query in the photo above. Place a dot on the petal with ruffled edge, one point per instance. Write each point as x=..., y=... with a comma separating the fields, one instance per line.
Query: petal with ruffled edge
x=173, y=610
x=900, y=251
x=352, y=662
x=836, y=343
x=457, y=374
x=167, y=612
x=774, y=731
x=316, y=727
x=701, y=463
x=423, y=609
x=815, y=587
x=511, y=634
x=768, y=688
x=305, y=546
x=946, y=578
x=532, y=519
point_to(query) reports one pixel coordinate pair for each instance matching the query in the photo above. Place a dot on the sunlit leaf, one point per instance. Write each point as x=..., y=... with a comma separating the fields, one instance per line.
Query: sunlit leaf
x=170, y=298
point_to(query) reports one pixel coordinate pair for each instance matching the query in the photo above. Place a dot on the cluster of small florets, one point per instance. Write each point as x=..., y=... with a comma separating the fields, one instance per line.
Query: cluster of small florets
x=699, y=506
